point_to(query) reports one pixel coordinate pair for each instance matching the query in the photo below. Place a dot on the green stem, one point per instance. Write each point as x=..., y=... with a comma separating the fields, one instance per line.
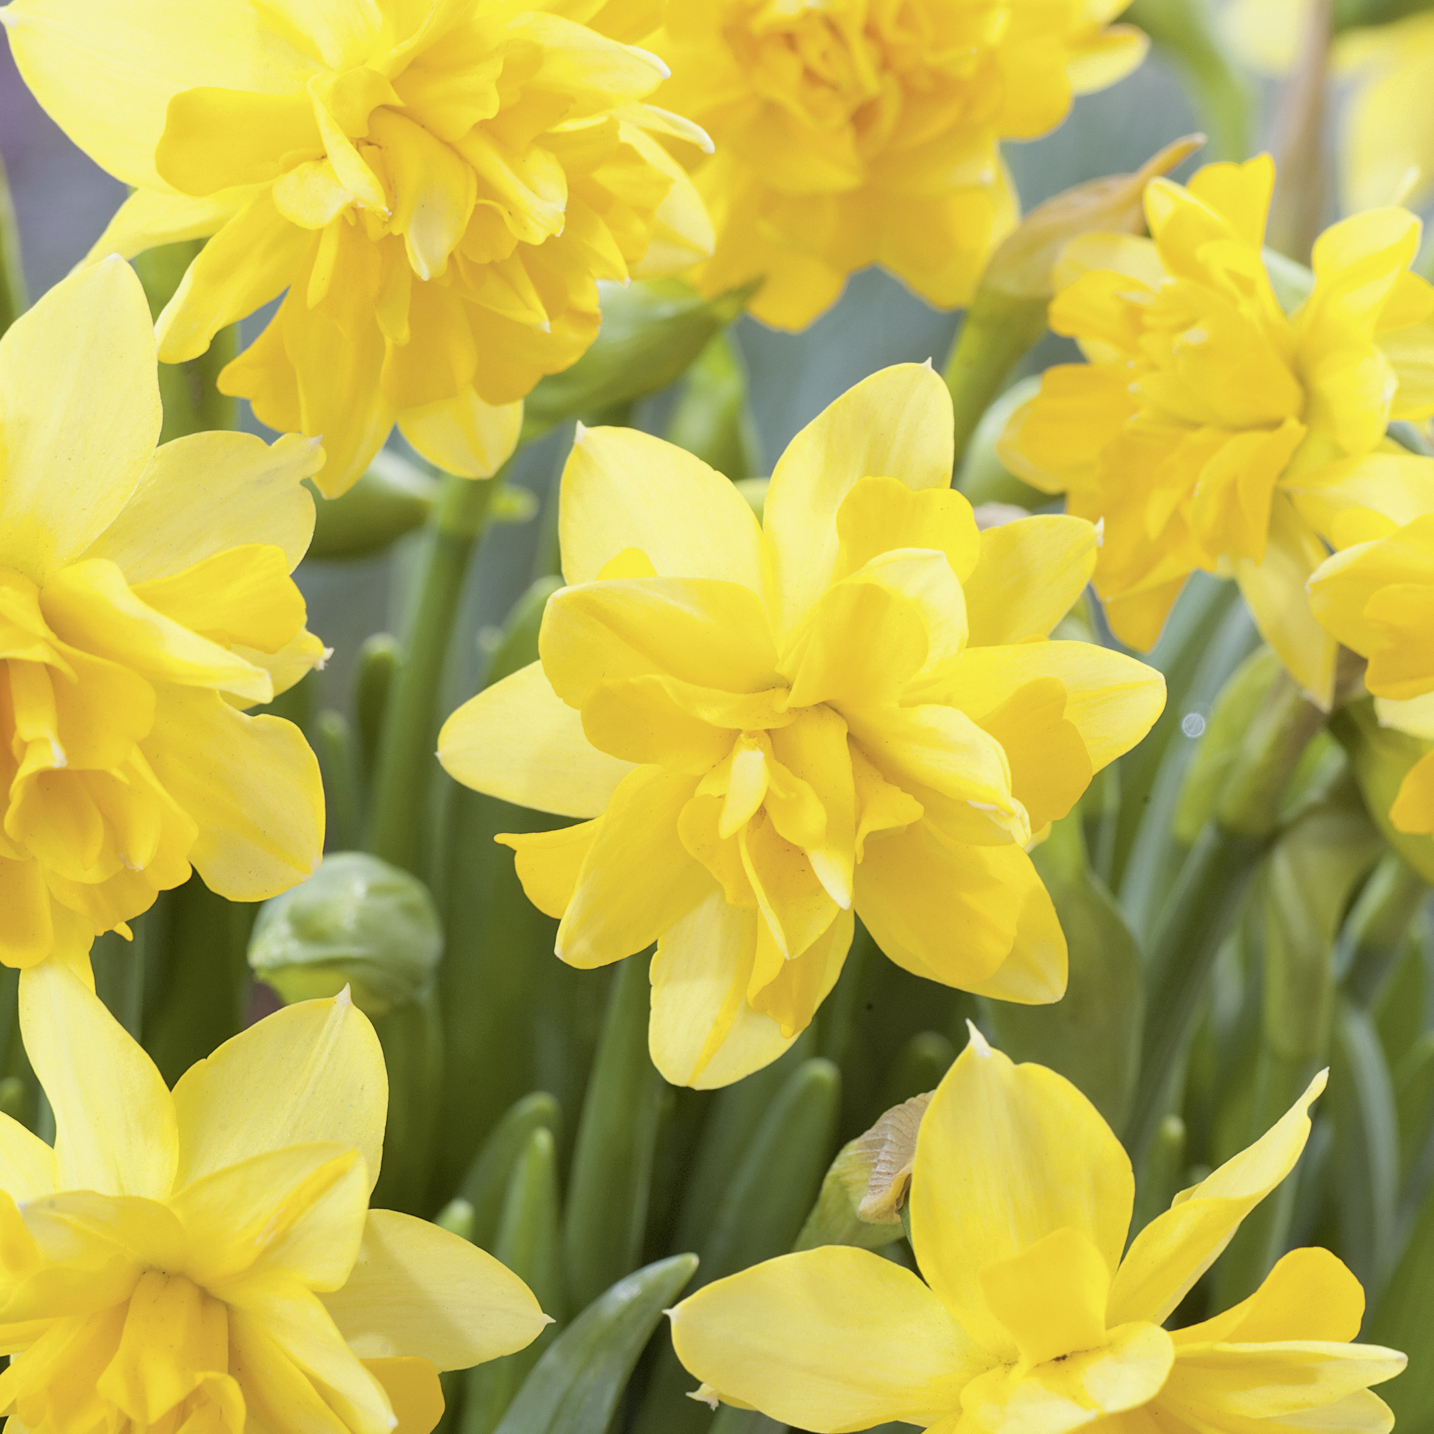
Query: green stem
x=406, y=744
x=1188, y=937
x=14, y=297
x=996, y=334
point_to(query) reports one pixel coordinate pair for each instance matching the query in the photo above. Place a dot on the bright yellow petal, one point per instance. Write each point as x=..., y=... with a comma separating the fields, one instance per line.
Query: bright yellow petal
x=115, y=1129
x=413, y=1389
x=79, y=414
x=895, y=424
x=1309, y=1295
x=27, y=1164
x=1003, y=605
x=830, y=1340
x=1050, y=1296
x=520, y=741
x=623, y=489
x=1007, y=1155
x=1177, y=1247
x=418, y=1290
x=312, y=1072
x=250, y=783
x=252, y=493
x=464, y=435
x=146, y=219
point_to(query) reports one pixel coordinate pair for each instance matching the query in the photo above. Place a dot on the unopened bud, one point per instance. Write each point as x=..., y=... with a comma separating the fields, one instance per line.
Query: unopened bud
x=357, y=922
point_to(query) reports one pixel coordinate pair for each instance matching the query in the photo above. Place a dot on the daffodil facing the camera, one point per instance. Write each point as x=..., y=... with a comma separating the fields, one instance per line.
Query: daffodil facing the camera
x=1212, y=430
x=438, y=186
x=1027, y=1318
x=205, y=1259
x=145, y=601
x=855, y=132
x=1377, y=598
x=852, y=708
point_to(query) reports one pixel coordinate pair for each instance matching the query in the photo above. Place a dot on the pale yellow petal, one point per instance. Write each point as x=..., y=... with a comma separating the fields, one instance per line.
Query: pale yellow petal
x=309, y=1073
x=420, y=1290
x=623, y=489
x=1003, y=604
x=210, y=491
x=79, y=415
x=895, y=424
x=1007, y=1155
x=829, y=1340
x=1177, y=1247
x=115, y=1129
x=520, y=741
x=147, y=219
x=27, y=1164
x=464, y=435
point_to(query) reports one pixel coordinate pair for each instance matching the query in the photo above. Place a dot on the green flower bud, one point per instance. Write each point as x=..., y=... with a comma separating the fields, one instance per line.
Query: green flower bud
x=391, y=499
x=357, y=922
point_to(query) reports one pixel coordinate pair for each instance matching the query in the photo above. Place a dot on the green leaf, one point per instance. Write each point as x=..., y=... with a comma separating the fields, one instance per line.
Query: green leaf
x=711, y=418
x=1403, y=1318
x=392, y=498
x=486, y=1185
x=14, y=299
x=617, y=1135
x=1414, y=1096
x=574, y=1388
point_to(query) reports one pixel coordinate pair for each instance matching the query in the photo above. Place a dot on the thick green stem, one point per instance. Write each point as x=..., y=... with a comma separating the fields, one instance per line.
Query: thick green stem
x=14, y=297
x=406, y=746
x=995, y=335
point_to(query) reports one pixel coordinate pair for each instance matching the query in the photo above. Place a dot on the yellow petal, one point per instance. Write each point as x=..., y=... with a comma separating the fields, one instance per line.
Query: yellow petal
x=418, y=1290
x=895, y=424
x=623, y=489
x=464, y=435
x=79, y=414
x=1050, y=1297
x=1003, y=605
x=217, y=139
x=27, y=1164
x=115, y=1129
x=520, y=741
x=830, y=1340
x=1106, y=58
x=414, y=1391
x=253, y=493
x=1007, y=1155
x=147, y=219
x=1176, y=1248
x=1035, y=973
x=89, y=62
x=880, y=514
x=638, y=878
x=310, y=1073
x=702, y=1032
x=550, y=863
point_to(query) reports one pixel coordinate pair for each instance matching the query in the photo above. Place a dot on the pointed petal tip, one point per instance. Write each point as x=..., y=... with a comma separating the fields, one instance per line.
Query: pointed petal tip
x=978, y=1042
x=345, y=997
x=580, y=431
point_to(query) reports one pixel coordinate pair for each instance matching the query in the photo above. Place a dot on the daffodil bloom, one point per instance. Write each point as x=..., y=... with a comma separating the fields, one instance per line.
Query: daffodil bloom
x=1026, y=1318
x=438, y=186
x=1212, y=430
x=145, y=599
x=205, y=1259
x=855, y=132
x=854, y=708
x=1377, y=598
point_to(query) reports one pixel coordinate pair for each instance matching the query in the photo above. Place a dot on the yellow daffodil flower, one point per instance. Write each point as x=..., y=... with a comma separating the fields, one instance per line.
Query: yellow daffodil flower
x=145, y=599
x=854, y=132
x=1386, y=147
x=438, y=186
x=1026, y=1319
x=1377, y=598
x=853, y=708
x=1212, y=430
x=206, y=1259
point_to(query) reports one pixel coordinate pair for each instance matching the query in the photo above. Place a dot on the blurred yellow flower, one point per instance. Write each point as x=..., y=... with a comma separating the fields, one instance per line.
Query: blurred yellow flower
x=851, y=709
x=145, y=599
x=855, y=132
x=206, y=1259
x=1377, y=598
x=1386, y=146
x=438, y=186
x=1029, y=1321
x=1212, y=430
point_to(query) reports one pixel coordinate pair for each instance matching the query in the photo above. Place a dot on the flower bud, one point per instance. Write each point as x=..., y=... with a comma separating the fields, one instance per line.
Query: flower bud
x=391, y=499
x=1382, y=757
x=357, y=922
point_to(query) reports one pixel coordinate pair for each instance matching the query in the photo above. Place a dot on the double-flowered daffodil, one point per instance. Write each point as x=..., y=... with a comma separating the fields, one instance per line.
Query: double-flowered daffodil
x=205, y=1260
x=1377, y=598
x=1026, y=1318
x=1210, y=428
x=438, y=184
x=853, y=707
x=145, y=599
x=855, y=132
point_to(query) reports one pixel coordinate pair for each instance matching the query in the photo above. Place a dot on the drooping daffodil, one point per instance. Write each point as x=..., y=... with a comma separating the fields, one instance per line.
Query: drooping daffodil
x=850, y=708
x=205, y=1259
x=145, y=600
x=438, y=187
x=1377, y=598
x=854, y=132
x=1026, y=1318
x=1211, y=429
